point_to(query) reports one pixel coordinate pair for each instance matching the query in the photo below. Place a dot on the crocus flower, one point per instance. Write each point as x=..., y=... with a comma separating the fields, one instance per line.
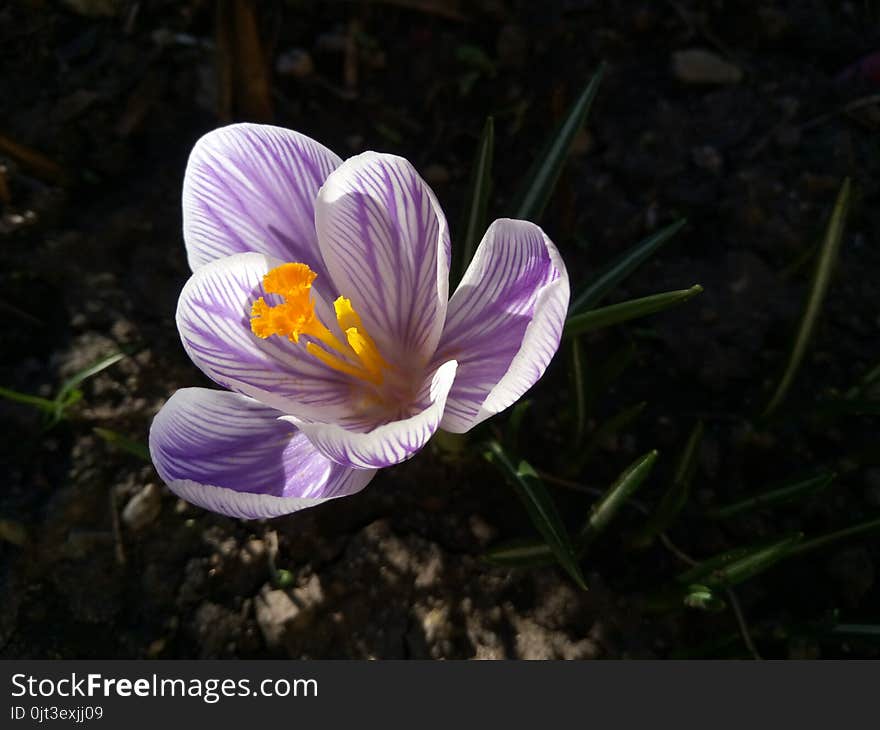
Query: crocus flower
x=319, y=299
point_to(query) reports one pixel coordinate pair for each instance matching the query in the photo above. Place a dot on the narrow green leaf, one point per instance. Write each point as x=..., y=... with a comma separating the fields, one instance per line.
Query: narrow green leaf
x=521, y=553
x=755, y=563
x=608, y=506
x=618, y=422
x=865, y=383
x=619, y=269
x=535, y=552
x=815, y=297
x=632, y=309
x=578, y=387
x=677, y=495
x=124, y=443
x=736, y=566
x=869, y=631
x=514, y=424
x=698, y=572
x=785, y=493
x=848, y=532
x=44, y=404
x=541, y=508
x=544, y=174
x=480, y=188
x=72, y=382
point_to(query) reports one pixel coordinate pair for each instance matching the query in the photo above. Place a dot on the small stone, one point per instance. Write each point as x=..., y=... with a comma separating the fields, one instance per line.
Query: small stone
x=310, y=594
x=698, y=66
x=274, y=610
x=143, y=508
x=482, y=531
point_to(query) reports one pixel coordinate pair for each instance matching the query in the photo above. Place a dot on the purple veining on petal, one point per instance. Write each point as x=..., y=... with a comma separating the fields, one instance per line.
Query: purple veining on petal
x=233, y=454
x=390, y=443
x=213, y=318
x=489, y=315
x=251, y=187
x=386, y=244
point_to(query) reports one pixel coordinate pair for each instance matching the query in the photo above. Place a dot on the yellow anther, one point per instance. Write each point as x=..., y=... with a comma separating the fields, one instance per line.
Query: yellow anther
x=296, y=317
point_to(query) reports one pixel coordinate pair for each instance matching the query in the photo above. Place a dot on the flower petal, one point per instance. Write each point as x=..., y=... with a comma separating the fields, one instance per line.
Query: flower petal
x=252, y=187
x=385, y=241
x=390, y=443
x=504, y=322
x=213, y=317
x=230, y=454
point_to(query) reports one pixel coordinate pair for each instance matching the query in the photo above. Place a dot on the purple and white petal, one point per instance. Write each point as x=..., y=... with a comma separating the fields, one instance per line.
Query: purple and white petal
x=230, y=454
x=504, y=322
x=385, y=242
x=390, y=443
x=252, y=187
x=213, y=318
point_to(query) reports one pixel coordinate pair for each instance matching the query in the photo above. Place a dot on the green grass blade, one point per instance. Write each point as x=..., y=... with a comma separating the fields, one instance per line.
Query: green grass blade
x=535, y=552
x=480, y=188
x=739, y=565
x=785, y=493
x=43, y=404
x=625, y=311
x=544, y=174
x=521, y=554
x=124, y=443
x=755, y=563
x=608, y=506
x=72, y=382
x=815, y=298
x=869, y=631
x=621, y=268
x=579, y=393
x=848, y=532
x=513, y=428
x=677, y=495
x=541, y=508
x=866, y=382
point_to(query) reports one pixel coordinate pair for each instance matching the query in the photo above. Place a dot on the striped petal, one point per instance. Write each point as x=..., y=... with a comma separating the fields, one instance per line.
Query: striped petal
x=390, y=443
x=252, y=187
x=504, y=322
x=385, y=241
x=230, y=454
x=213, y=317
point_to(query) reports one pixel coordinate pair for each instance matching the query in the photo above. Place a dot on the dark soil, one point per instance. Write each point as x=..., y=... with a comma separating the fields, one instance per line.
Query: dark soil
x=97, y=117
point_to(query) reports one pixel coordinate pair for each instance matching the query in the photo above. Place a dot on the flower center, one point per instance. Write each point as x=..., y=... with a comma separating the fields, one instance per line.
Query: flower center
x=296, y=317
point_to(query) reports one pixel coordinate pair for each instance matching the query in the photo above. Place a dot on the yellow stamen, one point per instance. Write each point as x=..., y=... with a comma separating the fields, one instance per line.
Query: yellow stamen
x=357, y=337
x=295, y=317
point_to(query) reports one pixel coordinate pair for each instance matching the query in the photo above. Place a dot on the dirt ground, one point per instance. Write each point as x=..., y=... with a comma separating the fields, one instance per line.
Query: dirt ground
x=100, y=103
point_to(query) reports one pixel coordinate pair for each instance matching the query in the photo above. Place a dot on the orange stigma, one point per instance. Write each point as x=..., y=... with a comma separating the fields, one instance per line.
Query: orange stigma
x=296, y=317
